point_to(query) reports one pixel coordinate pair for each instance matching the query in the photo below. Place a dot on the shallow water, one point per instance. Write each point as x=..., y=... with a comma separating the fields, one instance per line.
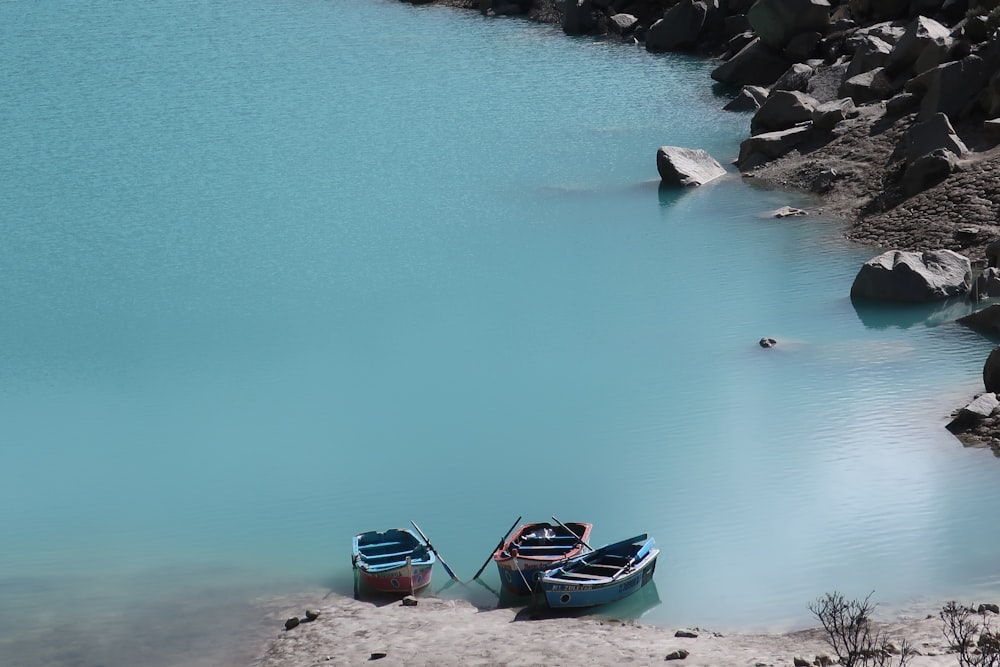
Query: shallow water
x=276, y=273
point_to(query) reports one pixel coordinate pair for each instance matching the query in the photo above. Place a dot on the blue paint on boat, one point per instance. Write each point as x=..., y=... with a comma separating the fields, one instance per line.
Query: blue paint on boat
x=392, y=560
x=605, y=575
x=534, y=548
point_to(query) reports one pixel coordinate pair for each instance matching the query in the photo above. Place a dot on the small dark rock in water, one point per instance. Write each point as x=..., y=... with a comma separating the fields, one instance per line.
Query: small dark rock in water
x=677, y=655
x=377, y=655
x=312, y=614
x=768, y=342
x=292, y=622
x=686, y=634
x=409, y=601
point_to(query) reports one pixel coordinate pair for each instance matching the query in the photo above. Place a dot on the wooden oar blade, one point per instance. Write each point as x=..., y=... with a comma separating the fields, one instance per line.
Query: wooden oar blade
x=500, y=544
x=570, y=530
x=432, y=548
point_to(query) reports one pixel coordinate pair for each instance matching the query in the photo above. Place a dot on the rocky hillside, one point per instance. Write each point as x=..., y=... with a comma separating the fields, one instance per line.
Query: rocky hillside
x=887, y=110
x=884, y=107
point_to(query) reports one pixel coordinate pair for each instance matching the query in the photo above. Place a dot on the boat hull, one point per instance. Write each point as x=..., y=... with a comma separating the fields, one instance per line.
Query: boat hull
x=392, y=561
x=604, y=575
x=539, y=547
x=566, y=596
x=520, y=576
x=399, y=580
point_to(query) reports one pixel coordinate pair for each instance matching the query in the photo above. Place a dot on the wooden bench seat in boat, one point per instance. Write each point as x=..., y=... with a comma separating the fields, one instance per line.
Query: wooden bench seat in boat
x=389, y=555
x=581, y=575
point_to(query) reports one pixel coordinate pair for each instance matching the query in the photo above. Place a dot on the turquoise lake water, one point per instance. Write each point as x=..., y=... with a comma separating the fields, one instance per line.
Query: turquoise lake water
x=274, y=273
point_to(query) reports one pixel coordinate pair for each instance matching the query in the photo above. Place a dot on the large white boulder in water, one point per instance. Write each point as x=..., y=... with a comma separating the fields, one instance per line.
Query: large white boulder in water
x=686, y=166
x=913, y=277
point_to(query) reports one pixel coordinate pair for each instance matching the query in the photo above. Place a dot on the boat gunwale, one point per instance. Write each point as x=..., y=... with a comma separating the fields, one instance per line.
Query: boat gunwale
x=555, y=575
x=504, y=559
x=363, y=561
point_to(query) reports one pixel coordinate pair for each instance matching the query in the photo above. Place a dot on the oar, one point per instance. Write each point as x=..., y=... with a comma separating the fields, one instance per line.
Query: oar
x=500, y=544
x=431, y=547
x=578, y=538
x=487, y=587
x=520, y=572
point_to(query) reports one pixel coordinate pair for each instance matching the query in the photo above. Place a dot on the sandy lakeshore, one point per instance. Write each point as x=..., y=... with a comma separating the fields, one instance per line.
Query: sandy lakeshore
x=454, y=632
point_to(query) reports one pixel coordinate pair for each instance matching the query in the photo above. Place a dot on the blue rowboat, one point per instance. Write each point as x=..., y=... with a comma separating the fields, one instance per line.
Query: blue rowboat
x=604, y=575
x=534, y=548
x=392, y=561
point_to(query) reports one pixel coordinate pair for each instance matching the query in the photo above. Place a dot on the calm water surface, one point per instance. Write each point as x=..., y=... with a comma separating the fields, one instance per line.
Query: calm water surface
x=274, y=273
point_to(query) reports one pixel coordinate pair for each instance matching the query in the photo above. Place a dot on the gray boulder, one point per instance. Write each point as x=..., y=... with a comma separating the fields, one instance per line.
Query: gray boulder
x=686, y=166
x=754, y=65
x=802, y=46
x=979, y=409
x=871, y=86
x=922, y=33
x=985, y=321
x=950, y=88
x=930, y=135
x=989, y=98
x=935, y=54
x=913, y=277
x=795, y=77
x=871, y=52
x=826, y=116
x=579, y=17
x=762, y=148
x=734, y=24
x=739, y=41
x=902, y=103
x=778, y=21
x=927, y=170
x=825, y=83
x=974, y=28
x=750, y=98
x=679, y=28
x=622, y=25
x=788, y=212
x=991, y=371
x=889, y=32
x=782, y=109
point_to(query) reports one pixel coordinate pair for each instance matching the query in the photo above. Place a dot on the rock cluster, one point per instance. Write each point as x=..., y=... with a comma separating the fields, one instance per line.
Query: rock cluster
x=888, y=109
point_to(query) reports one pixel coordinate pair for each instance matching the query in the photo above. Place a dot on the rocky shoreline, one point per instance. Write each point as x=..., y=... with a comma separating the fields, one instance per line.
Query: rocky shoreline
x=888, y=111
